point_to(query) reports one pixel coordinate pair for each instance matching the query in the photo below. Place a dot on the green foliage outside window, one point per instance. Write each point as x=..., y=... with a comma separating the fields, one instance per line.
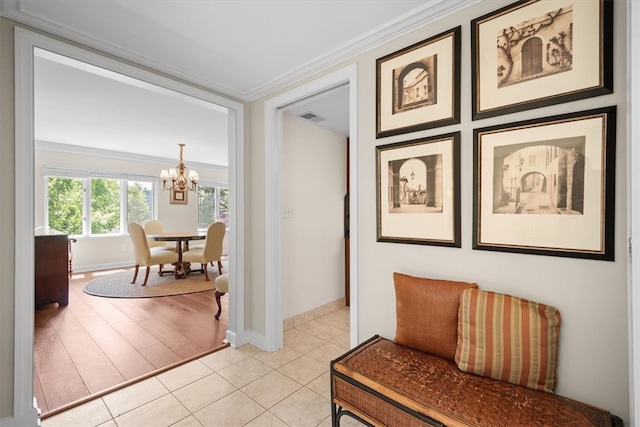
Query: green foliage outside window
x=213, y=204
x=206, y=206
x=139, y=202
x=66, y=202
x=65, y=205
x=105, y=206
x=223, y=205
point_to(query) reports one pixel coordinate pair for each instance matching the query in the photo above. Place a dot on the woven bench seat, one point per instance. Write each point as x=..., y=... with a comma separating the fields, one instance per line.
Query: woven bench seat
x=383, y=383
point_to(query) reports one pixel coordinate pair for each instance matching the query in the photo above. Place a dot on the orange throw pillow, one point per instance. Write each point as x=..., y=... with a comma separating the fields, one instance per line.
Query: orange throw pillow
x=427, y=313
x=508, y=338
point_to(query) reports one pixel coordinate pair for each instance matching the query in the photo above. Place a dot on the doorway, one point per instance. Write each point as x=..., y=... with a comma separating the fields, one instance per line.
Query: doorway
x=25, y=44
x=314, y=184
x=274, y=204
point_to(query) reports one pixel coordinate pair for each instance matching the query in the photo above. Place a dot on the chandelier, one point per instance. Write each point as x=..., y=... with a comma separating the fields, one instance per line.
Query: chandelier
x=179, y=181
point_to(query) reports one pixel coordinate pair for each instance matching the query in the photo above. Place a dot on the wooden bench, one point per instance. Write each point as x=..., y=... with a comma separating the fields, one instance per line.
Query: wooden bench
x=384, y=383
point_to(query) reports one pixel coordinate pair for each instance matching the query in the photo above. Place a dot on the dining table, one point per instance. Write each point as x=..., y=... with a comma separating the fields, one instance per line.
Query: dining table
x=182, y=239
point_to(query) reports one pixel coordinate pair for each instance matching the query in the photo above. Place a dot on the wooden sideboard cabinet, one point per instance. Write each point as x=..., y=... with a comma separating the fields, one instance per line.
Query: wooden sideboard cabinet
x=52, y=269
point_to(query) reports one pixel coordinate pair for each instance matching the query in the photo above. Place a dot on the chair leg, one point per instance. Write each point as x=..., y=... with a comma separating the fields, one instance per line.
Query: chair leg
x=146, y=276
x=135, y=274
x=160, y=270
x=206, y=271
x=218, y=295
x=219, y=267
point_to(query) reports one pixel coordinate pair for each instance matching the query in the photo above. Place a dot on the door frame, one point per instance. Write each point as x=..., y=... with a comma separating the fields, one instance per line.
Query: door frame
x=273, y=251
x=25, y=42
x=633, y=209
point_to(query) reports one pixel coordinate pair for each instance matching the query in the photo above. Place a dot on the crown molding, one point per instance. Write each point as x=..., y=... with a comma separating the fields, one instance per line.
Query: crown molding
x=431, y=11
x=10, y=9
x=57, y=147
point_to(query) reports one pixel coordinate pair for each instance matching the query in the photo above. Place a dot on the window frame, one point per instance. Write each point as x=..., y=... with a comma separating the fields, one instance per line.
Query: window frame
x=218, y=186
x=87, y=176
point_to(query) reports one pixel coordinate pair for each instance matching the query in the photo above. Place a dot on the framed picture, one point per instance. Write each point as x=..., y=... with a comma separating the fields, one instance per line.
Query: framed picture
x=547, y=187
x=419, y=87
x=179, y=197
x=537, y=53
x=418, y=191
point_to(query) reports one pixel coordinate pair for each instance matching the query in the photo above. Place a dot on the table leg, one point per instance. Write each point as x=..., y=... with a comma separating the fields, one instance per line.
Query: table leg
x=179, y=270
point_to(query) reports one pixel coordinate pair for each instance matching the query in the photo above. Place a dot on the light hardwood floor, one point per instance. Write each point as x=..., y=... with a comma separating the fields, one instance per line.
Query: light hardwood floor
x=96, y=344
x=235, y=387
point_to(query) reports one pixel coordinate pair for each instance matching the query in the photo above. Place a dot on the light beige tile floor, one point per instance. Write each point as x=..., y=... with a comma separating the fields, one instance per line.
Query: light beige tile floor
x=232, y=387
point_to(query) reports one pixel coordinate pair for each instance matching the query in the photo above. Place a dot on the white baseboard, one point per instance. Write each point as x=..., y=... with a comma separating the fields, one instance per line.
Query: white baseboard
x=30, y=419
x=254, y=338
x=107, y=266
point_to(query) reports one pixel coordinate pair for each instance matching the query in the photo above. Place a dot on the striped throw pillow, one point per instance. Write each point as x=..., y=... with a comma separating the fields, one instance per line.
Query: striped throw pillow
x=508, y=338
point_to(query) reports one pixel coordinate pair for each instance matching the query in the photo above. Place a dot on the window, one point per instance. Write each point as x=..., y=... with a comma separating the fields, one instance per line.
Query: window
x=139, y=201
x=65, y=204
x=80, y=204
x=105, y=206
x=213, y=205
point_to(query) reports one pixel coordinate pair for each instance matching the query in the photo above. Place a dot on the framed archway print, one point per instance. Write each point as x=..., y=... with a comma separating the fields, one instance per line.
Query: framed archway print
x=547, y=186
x=418, y=87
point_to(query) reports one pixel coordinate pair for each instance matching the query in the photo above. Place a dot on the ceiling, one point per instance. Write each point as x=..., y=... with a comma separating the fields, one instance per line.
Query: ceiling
x=82, y=105
x=244, y=49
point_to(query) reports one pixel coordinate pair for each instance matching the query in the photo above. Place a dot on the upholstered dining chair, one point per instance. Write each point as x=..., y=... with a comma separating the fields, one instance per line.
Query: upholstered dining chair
x=222, y=287
x=154, y=226
x=146, y=256
x=212, y=250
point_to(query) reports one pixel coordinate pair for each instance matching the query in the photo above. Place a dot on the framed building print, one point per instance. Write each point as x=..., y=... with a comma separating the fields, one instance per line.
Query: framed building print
x=536, y=53
x=547, y=187
x=418, y=87
x=418, y=191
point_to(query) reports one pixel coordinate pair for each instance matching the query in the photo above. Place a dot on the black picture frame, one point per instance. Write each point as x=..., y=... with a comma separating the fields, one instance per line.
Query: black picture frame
x=418, y=191
x=547, y=186
x=533, y=54
x=433, y=100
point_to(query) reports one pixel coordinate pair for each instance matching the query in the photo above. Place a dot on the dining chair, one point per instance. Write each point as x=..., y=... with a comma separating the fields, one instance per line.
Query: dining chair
x=146, y=256
x=211, y=251
x=154, y=226
x=222, y=287
x=199, y=244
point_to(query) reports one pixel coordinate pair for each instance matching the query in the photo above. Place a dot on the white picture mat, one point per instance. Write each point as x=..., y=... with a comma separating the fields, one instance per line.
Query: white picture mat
x=585, y=72
x=444, y=48
x=574, y=232
x=428, y=226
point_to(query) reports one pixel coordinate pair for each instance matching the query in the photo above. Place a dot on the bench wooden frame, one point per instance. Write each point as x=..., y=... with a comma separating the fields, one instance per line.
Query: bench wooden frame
x=368, y=399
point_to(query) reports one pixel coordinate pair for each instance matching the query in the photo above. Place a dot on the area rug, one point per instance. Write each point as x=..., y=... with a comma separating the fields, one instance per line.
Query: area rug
x=118, y=285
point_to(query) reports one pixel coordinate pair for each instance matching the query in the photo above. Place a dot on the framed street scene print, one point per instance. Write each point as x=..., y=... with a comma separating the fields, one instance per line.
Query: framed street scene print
x=547, y=186
x=418, y=191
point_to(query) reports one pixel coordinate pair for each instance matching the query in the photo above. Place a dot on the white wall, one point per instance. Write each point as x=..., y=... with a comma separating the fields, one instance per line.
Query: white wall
x=100, y=252
x=591, y=295
x=314, y=185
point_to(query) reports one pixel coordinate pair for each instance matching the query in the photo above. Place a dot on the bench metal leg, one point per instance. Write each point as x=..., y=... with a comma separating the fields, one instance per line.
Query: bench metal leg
x=337, y=412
